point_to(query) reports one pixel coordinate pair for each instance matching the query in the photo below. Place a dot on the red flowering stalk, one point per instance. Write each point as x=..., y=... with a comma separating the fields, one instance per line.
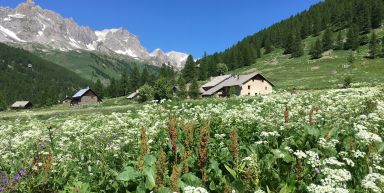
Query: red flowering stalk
x=161, y=169
x=286, y=114
x=173, y=136
x=311, y=115
x=188, y=146
x=175, y=187
x=143, y=146
x=203, y=150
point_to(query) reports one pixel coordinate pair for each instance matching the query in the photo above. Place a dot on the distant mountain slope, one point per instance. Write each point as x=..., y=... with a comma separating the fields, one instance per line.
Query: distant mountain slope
x=283, y=51
x=93, y=66
x=25, y=76
x=29, y=23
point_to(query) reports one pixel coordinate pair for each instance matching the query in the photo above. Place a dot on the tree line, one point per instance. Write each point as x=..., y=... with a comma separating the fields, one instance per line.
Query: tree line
x=356, y=17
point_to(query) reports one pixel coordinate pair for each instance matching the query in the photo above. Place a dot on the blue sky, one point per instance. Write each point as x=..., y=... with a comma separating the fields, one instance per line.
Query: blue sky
x=190, y=26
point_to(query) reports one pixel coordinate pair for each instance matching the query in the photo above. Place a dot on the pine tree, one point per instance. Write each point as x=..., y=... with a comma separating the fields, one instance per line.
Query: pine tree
x=3, y=103
x=99, y=88
x=144, y=76
x=382, y=47
x=113, y=88
x=327, y=40
x=352, y=39
x=373, y=49
x=376, y=14
x=364, y=17
x=182, y=93
x=298, y=48
x=190, y=69
x=194, y=89
x=267, y=45
x=123, y=86
x=316, y=50
x=258, y=51
x=134, y=80
x=339, y=41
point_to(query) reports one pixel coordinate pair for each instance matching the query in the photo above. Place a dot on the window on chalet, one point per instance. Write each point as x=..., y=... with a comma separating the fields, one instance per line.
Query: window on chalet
x=266, y=88
x=249, y=87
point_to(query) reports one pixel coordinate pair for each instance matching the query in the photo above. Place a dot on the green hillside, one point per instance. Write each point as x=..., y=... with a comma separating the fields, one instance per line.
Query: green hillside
x=25, y=76
x=327, y=72
x=315, y=49
x=93, y=66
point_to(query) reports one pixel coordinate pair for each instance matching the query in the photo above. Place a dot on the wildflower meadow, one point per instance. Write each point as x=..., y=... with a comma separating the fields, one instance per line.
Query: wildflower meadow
x=318, y=141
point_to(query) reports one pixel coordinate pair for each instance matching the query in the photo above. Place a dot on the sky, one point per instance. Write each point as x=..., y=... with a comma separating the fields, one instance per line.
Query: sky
x=189, y=26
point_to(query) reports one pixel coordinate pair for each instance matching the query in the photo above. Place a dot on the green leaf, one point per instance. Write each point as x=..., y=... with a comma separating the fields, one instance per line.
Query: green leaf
x=285, y=189
x=279, y=154
x=231, y=171
x=212, y=186
x=150, y=180
x=129, y=174
x=191, y=180
x=312, y=131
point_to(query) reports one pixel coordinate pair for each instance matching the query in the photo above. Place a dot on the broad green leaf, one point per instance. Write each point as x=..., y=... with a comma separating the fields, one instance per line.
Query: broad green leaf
x=191, y=180
x=129, y=174
x=231, y=171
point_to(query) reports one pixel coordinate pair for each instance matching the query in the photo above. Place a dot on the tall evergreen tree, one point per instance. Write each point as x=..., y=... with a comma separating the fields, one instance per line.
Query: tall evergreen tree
x=373, y=47
x=182, y=93
x=376, y=14
x=298, y=48
x=124, y=85
x=190, y=70
x=3, y=103
x=352, y=38
x=364, y=17
x=134, y=79
x=382, y=47
x=267, y=45
x=113, y=88
x=316, y=50
x=99, y=88
x=144, y=76
x=194, y=89
x=327, y=40
x=339, y=41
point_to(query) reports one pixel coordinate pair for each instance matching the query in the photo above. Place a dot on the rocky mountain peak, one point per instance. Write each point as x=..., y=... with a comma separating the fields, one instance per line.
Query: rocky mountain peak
x=29, y=23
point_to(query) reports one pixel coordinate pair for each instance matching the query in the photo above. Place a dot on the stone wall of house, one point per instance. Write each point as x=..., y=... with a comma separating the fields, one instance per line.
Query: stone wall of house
x=256, y=86
x=89, y=98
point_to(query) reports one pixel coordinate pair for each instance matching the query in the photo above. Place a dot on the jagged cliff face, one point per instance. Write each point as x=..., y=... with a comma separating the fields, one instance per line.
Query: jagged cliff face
x=29, y=23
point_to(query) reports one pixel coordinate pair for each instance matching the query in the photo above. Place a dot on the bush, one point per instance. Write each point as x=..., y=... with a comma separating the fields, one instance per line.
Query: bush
x=145, y=93
x=163, y=89
x=347, y=82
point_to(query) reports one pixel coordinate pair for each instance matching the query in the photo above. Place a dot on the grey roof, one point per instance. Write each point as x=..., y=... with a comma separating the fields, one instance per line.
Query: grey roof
x=81, y=92
x=232, y=81
x=216, y=80
x=133, y=95
x=19, y=104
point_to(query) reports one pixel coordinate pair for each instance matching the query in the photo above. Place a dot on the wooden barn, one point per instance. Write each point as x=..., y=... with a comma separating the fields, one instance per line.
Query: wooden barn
x=85, y=97
x=21, y=105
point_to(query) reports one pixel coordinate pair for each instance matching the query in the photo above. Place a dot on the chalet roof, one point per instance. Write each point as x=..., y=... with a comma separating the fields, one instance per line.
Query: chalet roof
x=20, y=104
x=133, y=95
x=81, y=92
x=216, y=80
x=238, y=80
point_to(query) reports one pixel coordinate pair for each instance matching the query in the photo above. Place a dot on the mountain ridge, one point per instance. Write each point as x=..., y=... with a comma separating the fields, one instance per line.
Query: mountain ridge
x=29, y=23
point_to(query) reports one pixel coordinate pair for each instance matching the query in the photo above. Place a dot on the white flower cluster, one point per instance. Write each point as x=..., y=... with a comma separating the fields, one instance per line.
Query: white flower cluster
x=371, y=182
x=269, y=134
x=334, y=181
x=191, y=189
x=328, y=144
x=365, y=136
